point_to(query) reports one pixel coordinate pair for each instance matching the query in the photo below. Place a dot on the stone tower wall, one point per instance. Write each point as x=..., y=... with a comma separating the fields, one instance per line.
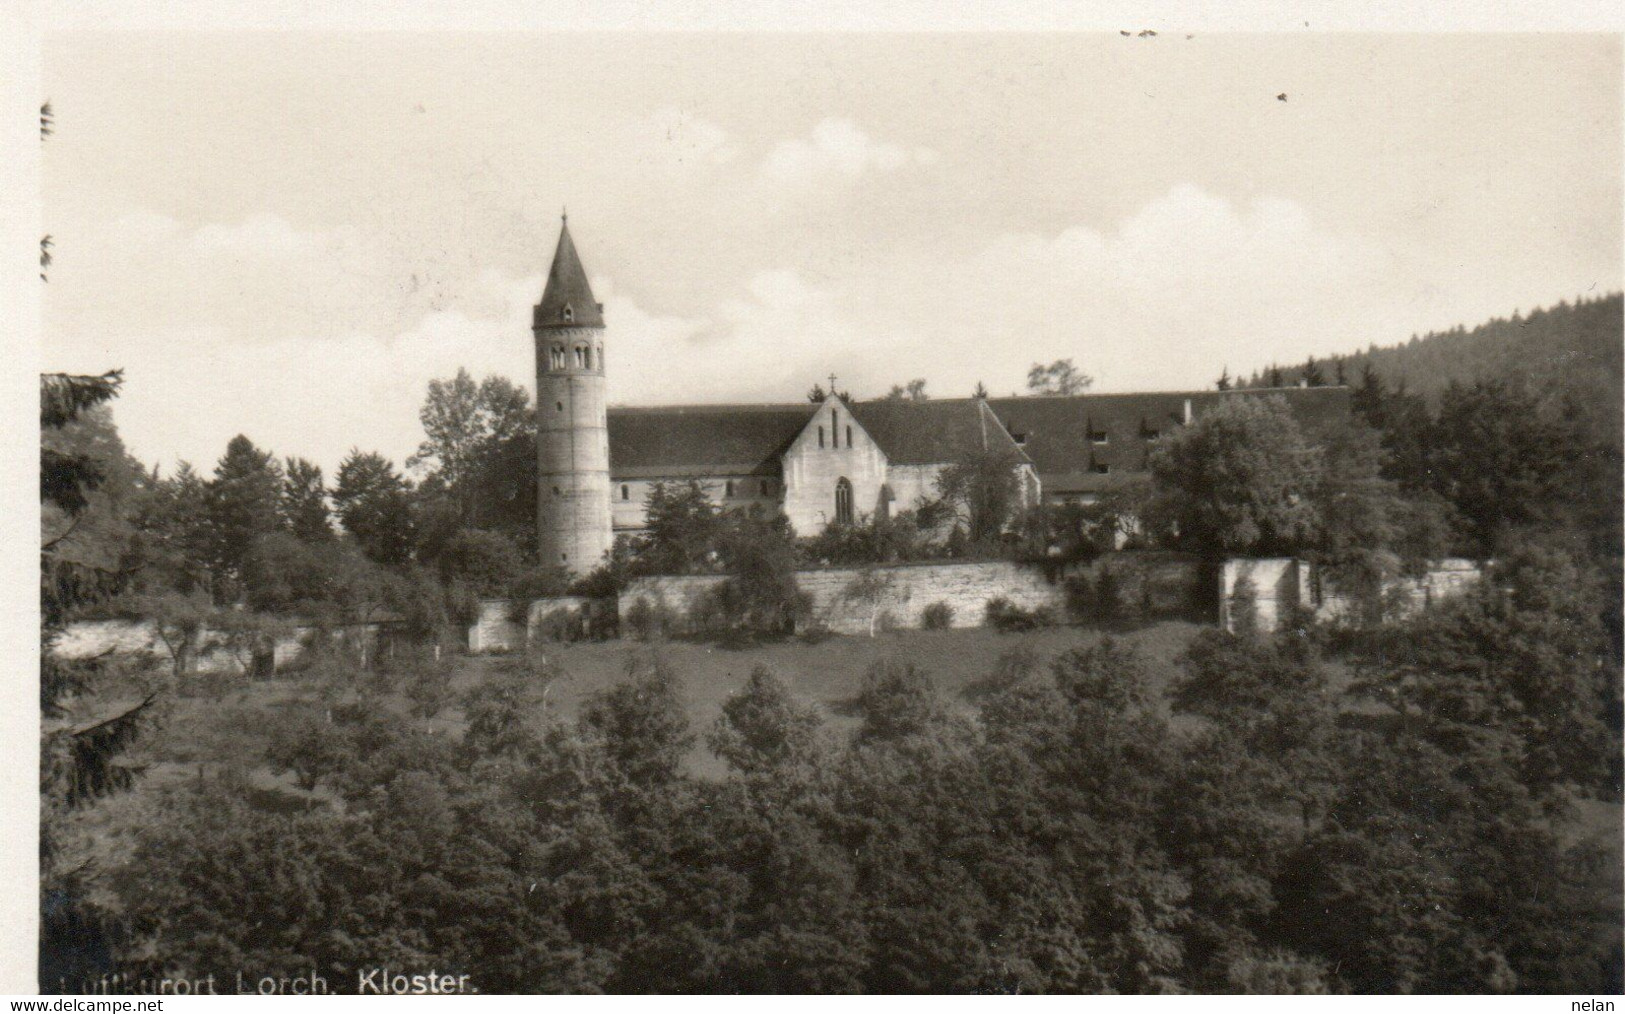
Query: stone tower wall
x=573, y=524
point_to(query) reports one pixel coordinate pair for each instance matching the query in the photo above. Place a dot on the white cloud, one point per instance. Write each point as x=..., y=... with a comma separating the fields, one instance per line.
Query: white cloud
x=1187, y=282
x=840, y=149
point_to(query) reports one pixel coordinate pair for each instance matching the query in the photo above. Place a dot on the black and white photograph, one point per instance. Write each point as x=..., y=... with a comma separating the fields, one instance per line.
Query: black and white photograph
x=1130, y=509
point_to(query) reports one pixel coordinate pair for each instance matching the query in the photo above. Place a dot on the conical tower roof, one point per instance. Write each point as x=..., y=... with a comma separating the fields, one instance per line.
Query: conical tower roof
x=567, y=301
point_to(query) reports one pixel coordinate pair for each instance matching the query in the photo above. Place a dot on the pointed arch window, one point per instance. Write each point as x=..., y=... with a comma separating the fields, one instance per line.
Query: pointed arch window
x=843, y=501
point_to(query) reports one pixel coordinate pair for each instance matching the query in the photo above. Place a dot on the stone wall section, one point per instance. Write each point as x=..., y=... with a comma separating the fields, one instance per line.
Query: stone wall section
x=1155, y=583
x=496, y=626
x=1282, y=586
x=210, y=654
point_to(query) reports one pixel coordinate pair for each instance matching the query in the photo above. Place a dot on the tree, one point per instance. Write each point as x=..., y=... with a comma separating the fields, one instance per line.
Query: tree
x=980, y=393
x=640, y=723
x=245, y=502
x=1223, y=383
x=178, y=622
x=1060, y=378
x=375, y=507
x=176, y=538
x=282, y=574
x=914, y=391
x=82, y=737
x=681, y=528
x=486, y=562
x=1503, y=461
x=1240, y=479
x=897, y=699
x=760, y=593
x=304, y=502
x=1523, y=663
x=467, y=427
x=762, y=728
x=984, y=489
x=1313, y=375
x=871, y=588
x=306, y=743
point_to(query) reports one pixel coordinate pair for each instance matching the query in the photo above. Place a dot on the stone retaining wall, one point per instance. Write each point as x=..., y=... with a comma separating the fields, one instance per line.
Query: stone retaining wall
x=210, y=653
x=1282, y=585
x=496, y=627
x=1156, y=583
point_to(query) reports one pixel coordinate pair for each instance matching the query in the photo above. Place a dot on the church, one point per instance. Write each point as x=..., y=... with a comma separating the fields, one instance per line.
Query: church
x=831, y=462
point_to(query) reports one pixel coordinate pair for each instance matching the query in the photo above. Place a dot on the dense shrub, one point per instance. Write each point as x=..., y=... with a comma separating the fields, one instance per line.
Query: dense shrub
x=937, y=616
x=647, y=619
x=1008, y=618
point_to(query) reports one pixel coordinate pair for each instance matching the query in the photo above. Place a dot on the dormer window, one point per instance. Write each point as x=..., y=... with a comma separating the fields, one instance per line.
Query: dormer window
x=569, y=314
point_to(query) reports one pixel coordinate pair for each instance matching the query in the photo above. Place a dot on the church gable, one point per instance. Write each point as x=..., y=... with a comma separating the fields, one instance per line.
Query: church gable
x=834, y=471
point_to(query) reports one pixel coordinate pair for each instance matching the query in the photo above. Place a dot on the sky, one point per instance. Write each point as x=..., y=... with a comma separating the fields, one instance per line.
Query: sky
x=288, y=235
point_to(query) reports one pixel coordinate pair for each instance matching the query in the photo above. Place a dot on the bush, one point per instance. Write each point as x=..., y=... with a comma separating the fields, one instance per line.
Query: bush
x=540, y=583
x=647, y=619
x=937, y=616
x=604, y=582
x=561, y=626
x=1008, y=618
x=1011, y=669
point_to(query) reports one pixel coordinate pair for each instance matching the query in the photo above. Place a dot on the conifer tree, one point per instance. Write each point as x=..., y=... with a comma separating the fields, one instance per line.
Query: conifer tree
x=304, y=501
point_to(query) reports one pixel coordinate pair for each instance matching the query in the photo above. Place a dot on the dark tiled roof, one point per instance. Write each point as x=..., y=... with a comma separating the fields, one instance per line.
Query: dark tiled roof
x=567, y=287
x=694, y=440
x=933, y=431
x=1061, y=434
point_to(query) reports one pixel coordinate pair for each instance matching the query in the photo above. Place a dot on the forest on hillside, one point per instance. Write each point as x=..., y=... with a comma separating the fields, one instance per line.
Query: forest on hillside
x=1569, y=353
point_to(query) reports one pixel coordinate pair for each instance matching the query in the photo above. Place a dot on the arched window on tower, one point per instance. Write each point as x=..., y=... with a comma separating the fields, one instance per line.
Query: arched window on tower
x=843, y=501
x=581, y=357
x=555, y=357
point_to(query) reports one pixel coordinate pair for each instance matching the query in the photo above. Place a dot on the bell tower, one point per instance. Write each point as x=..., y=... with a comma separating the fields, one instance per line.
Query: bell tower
x=573, y=524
